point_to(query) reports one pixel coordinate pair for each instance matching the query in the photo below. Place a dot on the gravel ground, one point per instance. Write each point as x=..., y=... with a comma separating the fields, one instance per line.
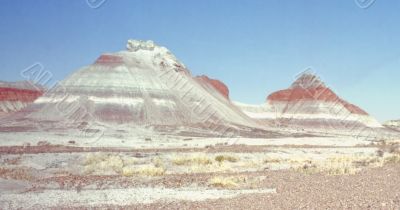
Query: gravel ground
x=377, y=188
x=372, y=188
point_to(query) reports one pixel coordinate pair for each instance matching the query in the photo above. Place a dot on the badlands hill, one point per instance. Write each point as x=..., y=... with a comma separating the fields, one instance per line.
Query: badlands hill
x=146, y=89
x=143, y=87
x=309, y=105
x=15, y=96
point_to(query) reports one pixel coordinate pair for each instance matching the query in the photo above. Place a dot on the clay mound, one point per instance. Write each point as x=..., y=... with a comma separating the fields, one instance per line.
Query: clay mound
x=143, y=87
x=15, y=96
x=309, y=105
x=309, y=87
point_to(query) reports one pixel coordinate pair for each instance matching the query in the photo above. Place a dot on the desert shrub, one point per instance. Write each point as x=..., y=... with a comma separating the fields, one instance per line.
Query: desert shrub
x=130, y=161
x=93, y=158
x=369, y=161
x=223, y=182
x=394, y=148
x=100, y=162
x=307, y=168
x=332, y=166
x=380, y=153
x=158, y=162
x=127, y=171
x=345, y=169
x=341, y=165
x=115, y=162
x=273, y=160
x=392, y=159
x=350, y=164
x=209, y=168
x=198, y=159
x=390, y=147
x=332, y=169
x=229, y=158
x=299, y=160
x=151, y=171
x=147, y=170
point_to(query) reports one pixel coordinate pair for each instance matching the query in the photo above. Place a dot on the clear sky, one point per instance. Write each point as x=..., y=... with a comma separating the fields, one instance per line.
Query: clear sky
x=255, y=47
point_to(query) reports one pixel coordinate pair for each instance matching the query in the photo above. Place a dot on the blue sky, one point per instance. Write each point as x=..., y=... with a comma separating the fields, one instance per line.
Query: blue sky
x=255, y=47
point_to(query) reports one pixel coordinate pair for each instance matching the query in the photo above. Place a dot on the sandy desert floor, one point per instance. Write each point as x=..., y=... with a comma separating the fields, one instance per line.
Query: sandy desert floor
x=302, y=173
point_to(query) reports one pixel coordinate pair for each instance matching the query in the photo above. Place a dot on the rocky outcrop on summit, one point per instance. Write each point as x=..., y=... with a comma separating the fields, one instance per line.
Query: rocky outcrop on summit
x=15, y=96
x=216, y=84
x=308, y=104
x=143, y=87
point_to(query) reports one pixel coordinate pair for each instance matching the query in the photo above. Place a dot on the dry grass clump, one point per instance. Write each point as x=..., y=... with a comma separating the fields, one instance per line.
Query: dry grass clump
x=392, y=151
x=224, y=182
x=210, y=163
x=106, y=163
x=392, y=147
x=299, y=160
x=101, y=162
x=196, y=159
x=370, y=161
x=210, y=168
x=150, y=171
x=147, y=170
x=130, y=161
x=158, y=162
x=201, y=163
x=340, y=165
x=341, y=169
x=349, y=164
x=229, y=158
x=273, y=160
x=392, y=159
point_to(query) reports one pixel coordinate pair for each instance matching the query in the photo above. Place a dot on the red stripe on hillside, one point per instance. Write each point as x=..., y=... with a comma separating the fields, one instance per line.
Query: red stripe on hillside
x=109, y=60
x=320, y=93
x=12, y=94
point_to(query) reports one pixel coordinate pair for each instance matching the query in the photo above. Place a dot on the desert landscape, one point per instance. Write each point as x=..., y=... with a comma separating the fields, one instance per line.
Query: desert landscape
x=136, y=130
x=199, y=104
